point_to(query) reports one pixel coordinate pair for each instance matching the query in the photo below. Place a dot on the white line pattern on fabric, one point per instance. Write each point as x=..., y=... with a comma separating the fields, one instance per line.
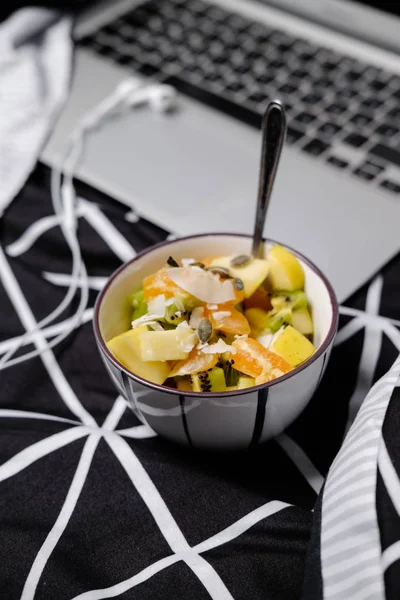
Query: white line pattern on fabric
x=64, y=280
x=33, y=233
x=36, y=451
x=223, y=537
x=62, y=521
x=164, y=519
x=349, y=330
x=302, y=462
x=28, y=320
x=391, y=555
x=47, y=332
x=8, y=413
x=110, y=234
x=370, y=352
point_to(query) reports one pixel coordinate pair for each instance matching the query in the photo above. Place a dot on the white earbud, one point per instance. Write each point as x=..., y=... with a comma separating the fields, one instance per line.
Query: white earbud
x=160, y=97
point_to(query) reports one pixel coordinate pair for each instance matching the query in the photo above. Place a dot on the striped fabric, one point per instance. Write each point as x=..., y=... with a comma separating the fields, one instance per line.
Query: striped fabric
x=350, y=540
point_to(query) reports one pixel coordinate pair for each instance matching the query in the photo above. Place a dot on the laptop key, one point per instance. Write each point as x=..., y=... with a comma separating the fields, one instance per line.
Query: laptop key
x=329, y=128
x=371, y=103
x=337, y=162
x=387, y=154
x=386, y=130
x=316, y=147
x=257, y=97
x=345, y=94
x=323, y=82
x=305, y=118
x=299, y=73
x=360, y=120
x=372, y=167
x=293, y=134
x=312, y=98
x=336, y=108
x=391, y=186
x=355, y=139
x=235, y=87
x=377, y=85
x=363, y=174
x=394, y=113
x=287, y=88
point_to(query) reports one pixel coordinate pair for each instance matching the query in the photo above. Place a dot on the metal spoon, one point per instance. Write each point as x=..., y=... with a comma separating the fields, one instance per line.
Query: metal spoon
x=273, y=137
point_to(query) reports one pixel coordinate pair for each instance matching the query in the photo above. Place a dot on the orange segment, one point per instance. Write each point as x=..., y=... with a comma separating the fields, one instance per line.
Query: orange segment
x=234, y=324
x=260, y=299
x=256, y=361
x=196, y=361
x=160, y=283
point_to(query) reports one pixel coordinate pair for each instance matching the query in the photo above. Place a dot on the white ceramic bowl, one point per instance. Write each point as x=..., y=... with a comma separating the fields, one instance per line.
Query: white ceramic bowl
x=230, y=420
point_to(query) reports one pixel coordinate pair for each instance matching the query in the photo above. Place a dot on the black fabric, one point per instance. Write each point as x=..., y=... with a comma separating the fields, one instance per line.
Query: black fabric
x=111, y=535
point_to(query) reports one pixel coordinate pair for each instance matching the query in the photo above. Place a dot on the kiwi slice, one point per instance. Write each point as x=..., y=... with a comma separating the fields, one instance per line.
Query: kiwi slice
x=293, y=300
x=278, y=319
x=209, y=381
x=138, y=304
x=231, y=375
x=171, y=317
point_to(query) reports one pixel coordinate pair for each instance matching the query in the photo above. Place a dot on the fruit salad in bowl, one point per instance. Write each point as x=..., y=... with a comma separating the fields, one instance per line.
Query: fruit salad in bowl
x=212, y=347
x=219, y=323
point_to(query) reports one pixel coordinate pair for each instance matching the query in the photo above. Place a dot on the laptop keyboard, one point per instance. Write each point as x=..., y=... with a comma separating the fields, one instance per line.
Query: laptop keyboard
x=340, y=111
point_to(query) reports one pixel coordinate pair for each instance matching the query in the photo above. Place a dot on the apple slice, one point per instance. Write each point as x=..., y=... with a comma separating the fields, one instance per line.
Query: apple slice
x=292, y=345
x=285, y=271
x=126, y=348
x=253, y=273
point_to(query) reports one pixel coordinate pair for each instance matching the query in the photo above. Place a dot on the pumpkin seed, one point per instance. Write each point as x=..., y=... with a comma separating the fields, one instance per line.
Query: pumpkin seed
x=238, y=284
x=197, y=264
x=240, y=261
x=172, y=262
x=204, y=330
x=221, y=271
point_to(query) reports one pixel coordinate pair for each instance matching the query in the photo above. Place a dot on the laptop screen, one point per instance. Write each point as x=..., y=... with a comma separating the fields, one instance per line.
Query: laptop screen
x=385, y=5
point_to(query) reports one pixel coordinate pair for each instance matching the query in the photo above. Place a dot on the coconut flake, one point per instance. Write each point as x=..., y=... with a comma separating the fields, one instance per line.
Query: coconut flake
x=157, y=306
x=196, y=317
x=212, y=306
x=241, y=337
x=202, y=284
x=219, y=348
x=221, y=314
x=169, y=302
x=178, y=313
x=155, y=326
x=188, y=344
x=265, y=339
x=183, y=325
x=145, y=320
x=179, y=303
x=201, y=345
x=187, y=261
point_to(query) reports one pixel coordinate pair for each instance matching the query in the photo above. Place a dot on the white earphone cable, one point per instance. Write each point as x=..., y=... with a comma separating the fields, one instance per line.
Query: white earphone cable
x=129, y=93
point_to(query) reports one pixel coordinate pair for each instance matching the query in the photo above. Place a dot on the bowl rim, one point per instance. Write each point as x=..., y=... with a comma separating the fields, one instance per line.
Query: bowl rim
x=206, y=395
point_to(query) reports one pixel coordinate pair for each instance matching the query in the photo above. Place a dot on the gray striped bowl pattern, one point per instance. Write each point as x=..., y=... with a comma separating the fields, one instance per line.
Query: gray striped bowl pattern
x=233, y=420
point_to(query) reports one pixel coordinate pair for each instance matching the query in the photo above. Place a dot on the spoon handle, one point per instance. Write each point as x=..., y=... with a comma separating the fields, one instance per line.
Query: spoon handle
x=273, y=137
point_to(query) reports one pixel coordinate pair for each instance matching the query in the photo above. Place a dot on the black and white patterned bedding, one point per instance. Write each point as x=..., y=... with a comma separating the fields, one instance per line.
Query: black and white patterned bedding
x=94, y=505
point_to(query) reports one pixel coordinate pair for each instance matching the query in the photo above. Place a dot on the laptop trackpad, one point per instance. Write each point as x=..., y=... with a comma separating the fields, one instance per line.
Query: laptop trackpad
x=179, y=164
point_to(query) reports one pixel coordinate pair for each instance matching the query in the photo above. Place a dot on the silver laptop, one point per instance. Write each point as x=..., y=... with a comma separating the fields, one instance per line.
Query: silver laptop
x=335, y=65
